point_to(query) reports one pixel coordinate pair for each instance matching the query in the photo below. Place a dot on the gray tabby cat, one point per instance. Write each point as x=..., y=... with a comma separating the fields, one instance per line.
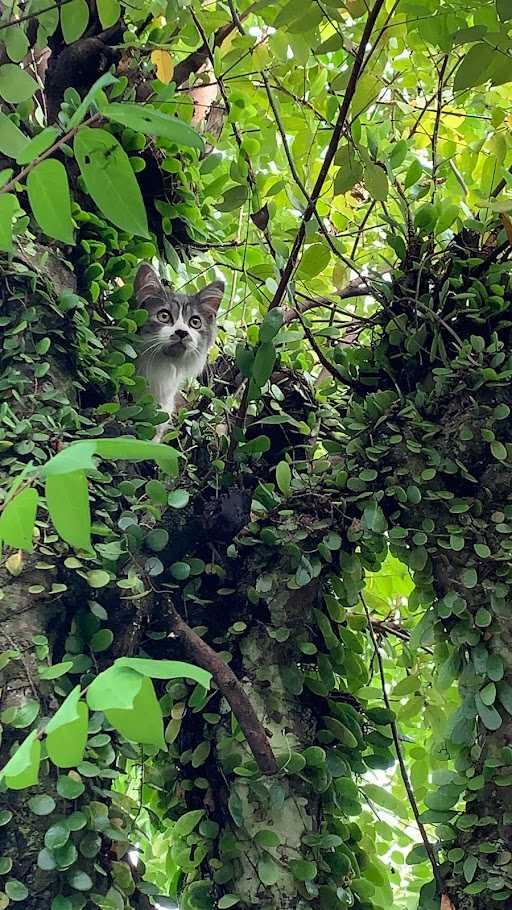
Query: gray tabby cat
x=175, y=340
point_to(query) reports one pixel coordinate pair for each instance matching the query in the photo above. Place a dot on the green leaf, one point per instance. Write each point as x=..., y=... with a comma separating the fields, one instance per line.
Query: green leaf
x=152, y=122
x=67, y=498
x=376, y=182
x=469, y=868
x=350, y=172
x=143, y=723
x=80, y=881
x=367, y=91
x=505, y=696
x=108, y=11
x=303, y=870
x=8, y=208
x=263, y=363
x=61, y=903
x=166, y=669
x=488, y=715
x=187, y=822
x=128, y=449
x=48, y=193
x=56, y=670
x=75, y=457
x=22, y=769
x=268, y=871
x=92, y=94
x=69, y=788
x=398, y=153
x=504, y=9
x=16, y=890
x=74, y=18
x=101, y=640
x=499, y=450
x=16, y=43
x=36, y=146
x=12, y=140
x=474, y=68
x=18, y=518
x=284, y=477
x=178, y=499
x=98, y=578
x=229, y=900
x=66, y=733
x=266, y=838
x=16, y=84
x=109, y=179
x=315, y=260
x=42, y=805
x=116, y=687
x=384, y=798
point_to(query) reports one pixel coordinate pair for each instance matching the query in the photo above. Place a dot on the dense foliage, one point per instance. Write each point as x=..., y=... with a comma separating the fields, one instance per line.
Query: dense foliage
x=268, y=663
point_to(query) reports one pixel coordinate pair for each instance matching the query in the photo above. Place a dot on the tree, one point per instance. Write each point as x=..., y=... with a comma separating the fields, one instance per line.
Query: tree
x=213, y=652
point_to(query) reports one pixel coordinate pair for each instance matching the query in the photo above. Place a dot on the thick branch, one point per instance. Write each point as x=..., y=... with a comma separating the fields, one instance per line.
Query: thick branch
x=225, y=679
x=293, y=259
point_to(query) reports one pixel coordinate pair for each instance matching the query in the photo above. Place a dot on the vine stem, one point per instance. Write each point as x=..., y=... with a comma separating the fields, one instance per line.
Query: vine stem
x=399, y=754
x=53, y=148
x=293, y=259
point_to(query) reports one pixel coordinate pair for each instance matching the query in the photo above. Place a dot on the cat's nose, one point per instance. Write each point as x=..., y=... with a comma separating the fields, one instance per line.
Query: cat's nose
x=181, y=333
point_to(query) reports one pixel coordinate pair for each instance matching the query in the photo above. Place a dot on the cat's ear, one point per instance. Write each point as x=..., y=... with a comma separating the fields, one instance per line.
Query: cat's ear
x=147, y=285
x=211, y=295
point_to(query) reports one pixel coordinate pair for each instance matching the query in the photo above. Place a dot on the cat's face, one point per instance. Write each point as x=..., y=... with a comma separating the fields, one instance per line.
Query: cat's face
x=180, y=327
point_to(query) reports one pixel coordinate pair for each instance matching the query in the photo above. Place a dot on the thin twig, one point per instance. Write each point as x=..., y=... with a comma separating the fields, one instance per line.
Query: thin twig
x=437, y=121
x=53, y=148
x=403, y=769
x=353, y=289
x=34, y=15
x=293, y=258
x=228, y=684
x=251, y=176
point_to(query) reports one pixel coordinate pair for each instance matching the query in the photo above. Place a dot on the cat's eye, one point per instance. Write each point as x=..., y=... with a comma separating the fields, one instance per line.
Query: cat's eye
x=163, y=316
x=195, y=322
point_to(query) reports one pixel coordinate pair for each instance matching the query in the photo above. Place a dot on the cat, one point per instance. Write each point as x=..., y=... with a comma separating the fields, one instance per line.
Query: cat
x=175, y=340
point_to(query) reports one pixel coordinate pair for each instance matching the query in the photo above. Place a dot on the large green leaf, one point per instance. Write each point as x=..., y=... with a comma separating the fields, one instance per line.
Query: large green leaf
x=17, y=520
x=109, y=179
x=166, y=669
x=29, y=151
x=108, y=11
x=66, y=733
x=16, y=84
x=143, y=722
x=74, y=18
x=116, y=687
x=474, y=68
x=149, y=120
x=67, y=498
x=22, y=769
x=48, y=193
x=12, y=140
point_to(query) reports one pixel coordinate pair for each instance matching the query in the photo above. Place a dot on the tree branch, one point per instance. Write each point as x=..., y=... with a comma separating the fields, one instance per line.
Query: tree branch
x=197, y=59
x=354, y=289
x=403, y=769
x=293, y=259
x=225, y=679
